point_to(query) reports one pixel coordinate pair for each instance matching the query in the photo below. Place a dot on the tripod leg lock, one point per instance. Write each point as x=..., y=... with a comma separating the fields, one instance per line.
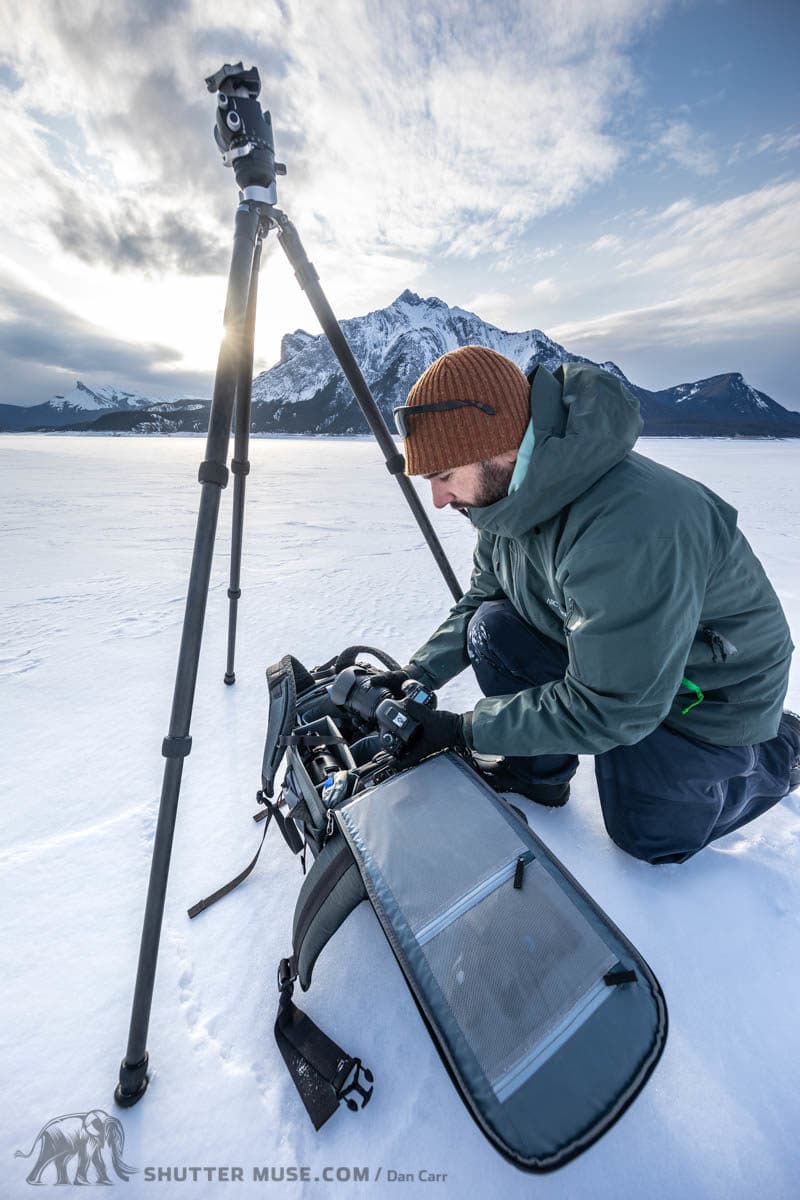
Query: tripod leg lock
x=395, y=464
x=240, y=466
x=176, y=747
x=212, y=472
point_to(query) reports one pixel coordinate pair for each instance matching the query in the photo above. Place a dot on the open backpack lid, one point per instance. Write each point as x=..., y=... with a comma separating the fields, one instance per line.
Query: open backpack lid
x=547, y=1018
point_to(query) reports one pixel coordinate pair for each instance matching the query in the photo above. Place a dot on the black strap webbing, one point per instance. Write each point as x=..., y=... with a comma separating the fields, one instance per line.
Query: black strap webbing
x=234, y=883
x=319, y=1067
x=348, y=657
x=289, y=830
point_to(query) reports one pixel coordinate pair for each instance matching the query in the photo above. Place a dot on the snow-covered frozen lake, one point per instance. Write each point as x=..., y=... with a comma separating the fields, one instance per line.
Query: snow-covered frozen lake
x=96, y=537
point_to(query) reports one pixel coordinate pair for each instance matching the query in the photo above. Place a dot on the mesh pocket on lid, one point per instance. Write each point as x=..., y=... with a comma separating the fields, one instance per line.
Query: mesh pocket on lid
x=427, y=875
x=520, y=970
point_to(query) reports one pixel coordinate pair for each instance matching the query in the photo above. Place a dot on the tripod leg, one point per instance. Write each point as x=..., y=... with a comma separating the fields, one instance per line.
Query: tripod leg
x=240, y=467
x=213, y=476
x=309, y=281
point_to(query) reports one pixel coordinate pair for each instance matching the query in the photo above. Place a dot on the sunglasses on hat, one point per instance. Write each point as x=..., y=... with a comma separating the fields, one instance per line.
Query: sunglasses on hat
x=402, y=413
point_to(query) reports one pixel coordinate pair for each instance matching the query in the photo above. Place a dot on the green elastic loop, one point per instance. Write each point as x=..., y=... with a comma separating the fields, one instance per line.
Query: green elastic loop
x=692, y=688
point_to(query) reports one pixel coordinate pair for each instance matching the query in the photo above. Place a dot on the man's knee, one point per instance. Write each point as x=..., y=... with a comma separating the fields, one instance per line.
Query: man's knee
x=655, y=830
x=645, y=851
x=485, y=624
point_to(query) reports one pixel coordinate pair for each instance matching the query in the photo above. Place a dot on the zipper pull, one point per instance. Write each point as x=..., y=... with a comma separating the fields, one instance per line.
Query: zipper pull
x=719, y=644
x=692, y=688
x=329, y=825
x=557, y=607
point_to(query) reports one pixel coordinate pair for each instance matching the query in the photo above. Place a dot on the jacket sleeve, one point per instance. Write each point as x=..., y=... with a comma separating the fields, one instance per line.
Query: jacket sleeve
x=444, y=655
x=631, y=613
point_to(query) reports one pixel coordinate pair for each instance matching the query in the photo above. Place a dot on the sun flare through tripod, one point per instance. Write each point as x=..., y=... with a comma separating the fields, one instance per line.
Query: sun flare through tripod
x=243, y=133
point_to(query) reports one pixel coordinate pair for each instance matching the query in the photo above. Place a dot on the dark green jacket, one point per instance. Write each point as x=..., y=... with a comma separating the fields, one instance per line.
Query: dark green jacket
x=640, y=572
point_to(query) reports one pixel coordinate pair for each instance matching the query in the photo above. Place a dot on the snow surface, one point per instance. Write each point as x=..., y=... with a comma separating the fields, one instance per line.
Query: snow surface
x=97, y=541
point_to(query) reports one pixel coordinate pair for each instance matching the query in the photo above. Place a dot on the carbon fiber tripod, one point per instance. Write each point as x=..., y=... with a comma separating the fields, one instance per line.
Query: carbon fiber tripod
x=244, y=136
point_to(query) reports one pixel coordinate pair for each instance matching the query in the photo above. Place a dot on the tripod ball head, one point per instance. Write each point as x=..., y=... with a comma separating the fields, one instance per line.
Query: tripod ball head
x=243, y=132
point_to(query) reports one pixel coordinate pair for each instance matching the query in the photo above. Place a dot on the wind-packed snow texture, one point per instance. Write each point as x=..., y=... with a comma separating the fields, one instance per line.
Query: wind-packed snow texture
x=97, y=541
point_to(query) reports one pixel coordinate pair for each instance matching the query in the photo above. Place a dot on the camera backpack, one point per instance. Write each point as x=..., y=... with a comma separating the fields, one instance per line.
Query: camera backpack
x=545, y=1016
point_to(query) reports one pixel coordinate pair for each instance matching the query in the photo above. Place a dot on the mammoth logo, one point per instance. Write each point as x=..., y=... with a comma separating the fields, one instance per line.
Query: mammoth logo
x=81, y=1135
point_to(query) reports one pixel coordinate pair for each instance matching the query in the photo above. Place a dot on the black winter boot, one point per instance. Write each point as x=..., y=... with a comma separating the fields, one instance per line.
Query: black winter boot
x=502, y=779
x=793, y=721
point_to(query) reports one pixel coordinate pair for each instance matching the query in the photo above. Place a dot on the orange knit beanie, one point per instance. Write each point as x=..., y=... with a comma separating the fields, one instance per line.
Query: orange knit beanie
x=440, y=441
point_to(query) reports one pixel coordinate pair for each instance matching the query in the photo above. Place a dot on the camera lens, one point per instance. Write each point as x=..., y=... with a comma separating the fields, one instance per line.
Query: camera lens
x=352, y=689
x=322, y=765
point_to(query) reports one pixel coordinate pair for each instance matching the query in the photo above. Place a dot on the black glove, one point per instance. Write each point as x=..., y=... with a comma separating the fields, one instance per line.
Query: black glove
x=438, y=731
x=393, y=680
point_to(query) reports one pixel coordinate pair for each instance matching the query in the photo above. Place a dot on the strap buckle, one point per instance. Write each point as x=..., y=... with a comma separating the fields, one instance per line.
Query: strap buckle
x=287, y=973
x=344, y=1093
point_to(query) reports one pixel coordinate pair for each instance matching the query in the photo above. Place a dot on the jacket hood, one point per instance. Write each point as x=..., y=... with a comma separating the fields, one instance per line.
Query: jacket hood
x=585, y=422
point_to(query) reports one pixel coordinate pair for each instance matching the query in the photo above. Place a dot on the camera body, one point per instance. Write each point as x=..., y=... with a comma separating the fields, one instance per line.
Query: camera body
x=396, y=724
x=353, y=690
x=341, y=735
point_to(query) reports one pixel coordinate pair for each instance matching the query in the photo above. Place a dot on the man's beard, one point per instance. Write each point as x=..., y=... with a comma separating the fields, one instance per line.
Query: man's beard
x=493, y=483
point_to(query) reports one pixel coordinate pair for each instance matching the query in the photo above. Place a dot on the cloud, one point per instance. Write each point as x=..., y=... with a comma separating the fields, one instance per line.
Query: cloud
x=137, y=183
x=717, y=271
x=130, y=239
x=780, y=143
x=685, y=146
x=496, y=307
x=393, y=141
x=609, y=241
x=42, y=344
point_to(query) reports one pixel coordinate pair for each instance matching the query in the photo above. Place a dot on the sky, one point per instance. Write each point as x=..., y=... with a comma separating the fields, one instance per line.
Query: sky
x=622, y=175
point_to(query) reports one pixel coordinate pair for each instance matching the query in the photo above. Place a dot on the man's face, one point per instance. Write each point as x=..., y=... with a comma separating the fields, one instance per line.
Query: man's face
x=475, y=485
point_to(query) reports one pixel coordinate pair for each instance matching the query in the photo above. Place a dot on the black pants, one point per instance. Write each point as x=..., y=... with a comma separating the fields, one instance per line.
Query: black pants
x=664, y=798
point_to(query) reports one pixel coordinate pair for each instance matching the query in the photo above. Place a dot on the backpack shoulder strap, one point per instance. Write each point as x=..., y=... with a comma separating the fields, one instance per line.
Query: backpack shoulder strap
x=284, y=680
x=332, y=888
x=323, y=1073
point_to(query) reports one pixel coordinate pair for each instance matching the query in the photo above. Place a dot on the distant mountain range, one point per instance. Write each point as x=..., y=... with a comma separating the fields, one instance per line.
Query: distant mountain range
x=306, y=393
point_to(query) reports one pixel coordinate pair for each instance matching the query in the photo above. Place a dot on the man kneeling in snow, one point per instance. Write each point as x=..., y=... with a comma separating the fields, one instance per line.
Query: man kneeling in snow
x=614, y=609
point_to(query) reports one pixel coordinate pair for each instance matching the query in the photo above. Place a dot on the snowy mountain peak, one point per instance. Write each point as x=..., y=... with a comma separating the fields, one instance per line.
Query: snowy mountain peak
x=81, y=396
x=414, y=300
x=87, y=399
x=393, y=346
x=291, y=343
x=305, y=392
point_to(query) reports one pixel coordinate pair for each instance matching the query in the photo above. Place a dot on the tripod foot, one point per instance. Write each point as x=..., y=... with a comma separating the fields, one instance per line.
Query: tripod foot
x=133, y=1081
x=230, y=677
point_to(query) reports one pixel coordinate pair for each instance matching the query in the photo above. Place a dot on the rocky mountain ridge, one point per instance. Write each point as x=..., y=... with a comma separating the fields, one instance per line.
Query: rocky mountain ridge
x=306, y=393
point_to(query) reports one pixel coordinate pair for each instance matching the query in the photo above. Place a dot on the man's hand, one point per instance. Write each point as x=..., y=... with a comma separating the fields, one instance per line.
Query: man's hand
x=393, y=680
x=438, y=731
